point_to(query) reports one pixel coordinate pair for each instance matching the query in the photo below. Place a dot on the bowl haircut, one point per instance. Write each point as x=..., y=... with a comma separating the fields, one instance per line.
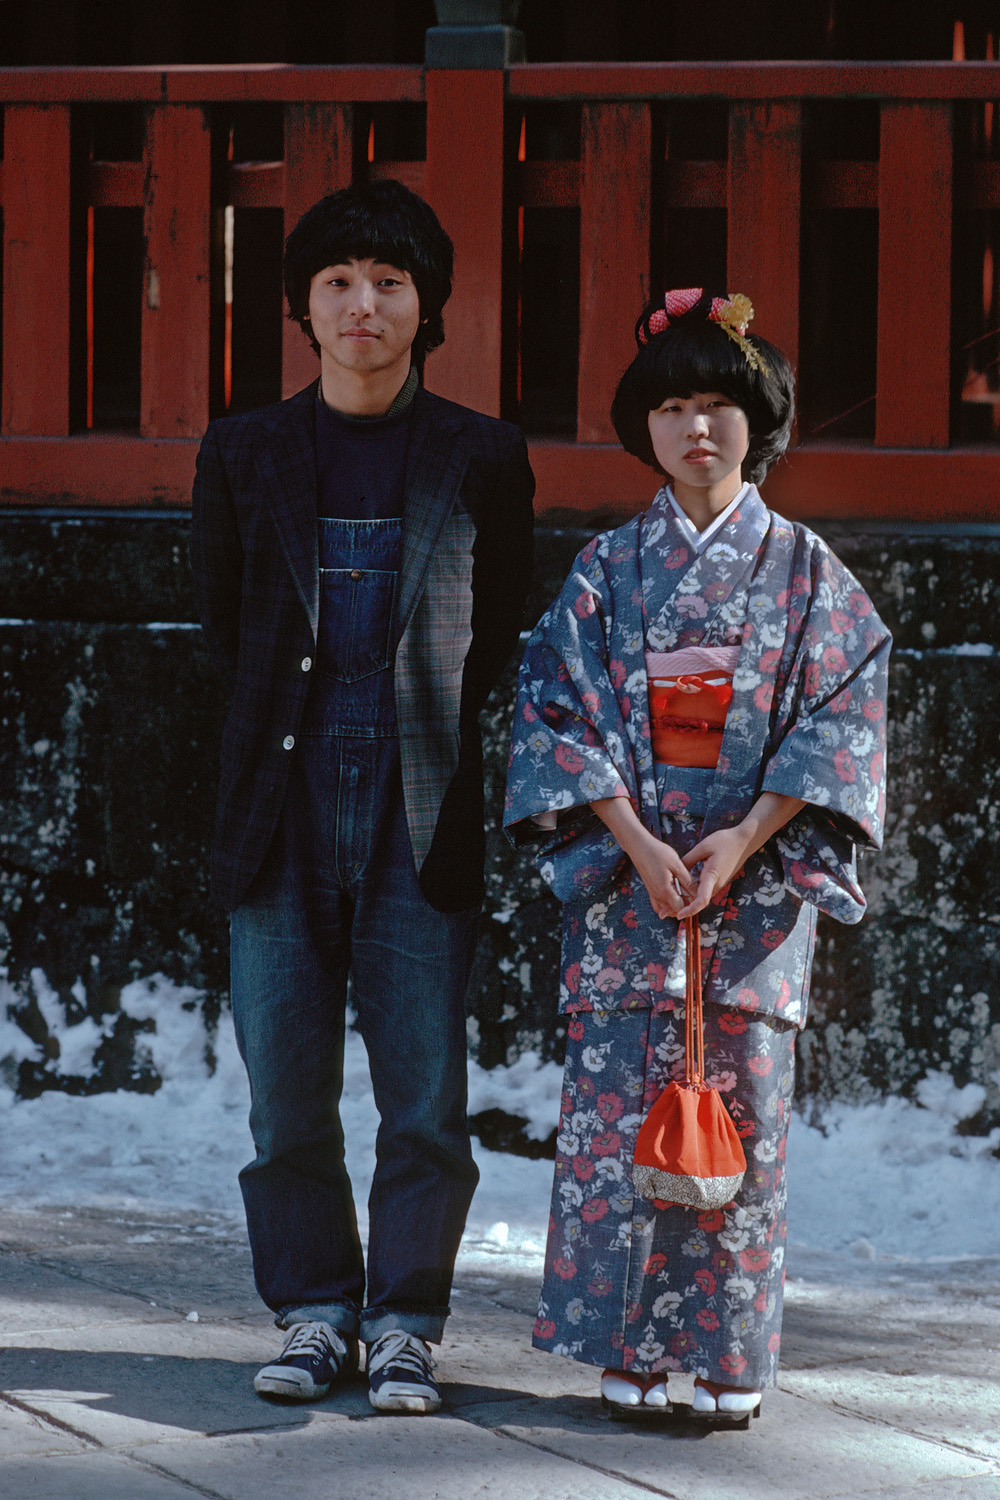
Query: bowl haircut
x=380, y=221
x=697, y=356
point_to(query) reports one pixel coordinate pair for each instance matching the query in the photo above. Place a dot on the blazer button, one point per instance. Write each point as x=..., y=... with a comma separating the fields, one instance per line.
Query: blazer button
x=288, y=741
x=356, y=573
x=307, y=662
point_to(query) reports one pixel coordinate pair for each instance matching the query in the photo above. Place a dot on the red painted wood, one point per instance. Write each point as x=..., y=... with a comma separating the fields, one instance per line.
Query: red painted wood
x=115, y=184
x=857, y=483
x=256, y=184
x=36, y=286
x=410, y=173
x=696, y=184
x=765, y=194
x=615, y=161
x=318, y=152
x=914, y=276
x=465, y=182
x=175, y=312
x=96, y=469
x=546, y=184
x=845, y=184
x=835, y=482
x=183, y=84
x=526, y=81
x=752, y=80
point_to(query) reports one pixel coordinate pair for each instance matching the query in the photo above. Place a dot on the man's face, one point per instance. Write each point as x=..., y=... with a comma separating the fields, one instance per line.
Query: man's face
x=364, y=315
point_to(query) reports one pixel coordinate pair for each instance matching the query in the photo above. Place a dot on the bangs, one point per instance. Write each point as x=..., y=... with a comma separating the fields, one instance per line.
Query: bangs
x=693, y=360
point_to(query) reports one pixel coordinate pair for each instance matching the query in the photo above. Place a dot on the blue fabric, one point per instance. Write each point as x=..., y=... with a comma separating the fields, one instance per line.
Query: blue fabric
x=360, y=465
x=352, y=690
x=338, y=893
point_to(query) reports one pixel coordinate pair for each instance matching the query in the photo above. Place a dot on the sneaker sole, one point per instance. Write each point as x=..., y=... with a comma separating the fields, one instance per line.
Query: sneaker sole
x=404, y=1401
x=281, y=1386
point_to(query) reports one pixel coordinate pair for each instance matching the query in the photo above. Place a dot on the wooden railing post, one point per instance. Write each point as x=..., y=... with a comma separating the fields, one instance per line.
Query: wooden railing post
x=36, y=269
x=175, y=309
x=913, y=397
x=464, y=185
x=318, y=153
x=616, y=166
x=764, y=199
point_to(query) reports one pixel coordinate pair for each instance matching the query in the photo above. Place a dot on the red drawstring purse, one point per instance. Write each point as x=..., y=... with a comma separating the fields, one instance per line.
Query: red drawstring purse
x=688, y=1151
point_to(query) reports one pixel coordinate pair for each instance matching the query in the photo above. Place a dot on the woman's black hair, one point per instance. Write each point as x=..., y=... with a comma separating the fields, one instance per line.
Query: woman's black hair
x=380, y=221
x=696, y=355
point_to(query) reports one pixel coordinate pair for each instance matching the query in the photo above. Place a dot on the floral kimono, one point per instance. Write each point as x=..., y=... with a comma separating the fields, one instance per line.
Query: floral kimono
x=628, y=1285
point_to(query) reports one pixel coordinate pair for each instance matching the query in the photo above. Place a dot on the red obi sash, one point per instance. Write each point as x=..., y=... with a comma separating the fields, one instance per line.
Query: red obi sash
x=687, y=716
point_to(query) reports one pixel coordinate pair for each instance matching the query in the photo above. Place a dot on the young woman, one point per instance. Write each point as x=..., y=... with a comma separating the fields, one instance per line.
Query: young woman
x=699, y=730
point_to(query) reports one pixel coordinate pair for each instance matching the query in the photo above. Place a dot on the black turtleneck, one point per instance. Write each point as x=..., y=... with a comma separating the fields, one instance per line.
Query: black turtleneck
x=361, y=461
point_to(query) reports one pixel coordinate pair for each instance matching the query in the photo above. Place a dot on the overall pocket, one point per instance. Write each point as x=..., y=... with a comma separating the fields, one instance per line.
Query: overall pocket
x=355, y=621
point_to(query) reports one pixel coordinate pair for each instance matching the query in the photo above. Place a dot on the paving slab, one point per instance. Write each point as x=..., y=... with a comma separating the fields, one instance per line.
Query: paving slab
x=798, y=1449
x=889, y=1382
x=89, y=1476
x=413, y=1457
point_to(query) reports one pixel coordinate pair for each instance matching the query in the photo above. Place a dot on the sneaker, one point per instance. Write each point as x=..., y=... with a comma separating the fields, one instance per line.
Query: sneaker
x=399, y=1374
x=313, y=1357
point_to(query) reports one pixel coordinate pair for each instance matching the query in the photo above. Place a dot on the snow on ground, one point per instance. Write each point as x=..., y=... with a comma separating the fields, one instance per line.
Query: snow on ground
x=885, y=1179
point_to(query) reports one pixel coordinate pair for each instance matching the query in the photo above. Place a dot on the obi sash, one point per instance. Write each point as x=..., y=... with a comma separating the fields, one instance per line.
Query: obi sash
x=689, y=695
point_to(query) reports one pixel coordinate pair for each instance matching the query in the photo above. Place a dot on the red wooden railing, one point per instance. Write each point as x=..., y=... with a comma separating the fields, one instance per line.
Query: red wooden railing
x=480, y=173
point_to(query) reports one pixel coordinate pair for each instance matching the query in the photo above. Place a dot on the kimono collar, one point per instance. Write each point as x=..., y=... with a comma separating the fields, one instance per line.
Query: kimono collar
x=699, y=540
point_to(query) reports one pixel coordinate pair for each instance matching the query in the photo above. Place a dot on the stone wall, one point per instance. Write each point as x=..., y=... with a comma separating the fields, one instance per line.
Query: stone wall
x=111, y=715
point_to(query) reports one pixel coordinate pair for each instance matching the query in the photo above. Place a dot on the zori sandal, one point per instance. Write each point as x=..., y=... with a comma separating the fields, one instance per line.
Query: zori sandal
x=723, y=1405
x=629, y=1397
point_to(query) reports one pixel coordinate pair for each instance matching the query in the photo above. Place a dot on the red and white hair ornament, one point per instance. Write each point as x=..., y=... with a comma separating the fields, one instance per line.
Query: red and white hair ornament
x=692, y=304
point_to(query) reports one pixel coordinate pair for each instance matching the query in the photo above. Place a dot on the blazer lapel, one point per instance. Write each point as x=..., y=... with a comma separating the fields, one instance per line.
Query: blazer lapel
x=286, y=466
x=435, y=466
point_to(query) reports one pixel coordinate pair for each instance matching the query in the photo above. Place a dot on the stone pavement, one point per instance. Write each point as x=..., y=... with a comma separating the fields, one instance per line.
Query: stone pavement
x=130, y=1340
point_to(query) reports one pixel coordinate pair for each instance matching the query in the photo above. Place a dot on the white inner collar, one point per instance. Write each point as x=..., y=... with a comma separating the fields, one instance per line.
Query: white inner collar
x=700, y=539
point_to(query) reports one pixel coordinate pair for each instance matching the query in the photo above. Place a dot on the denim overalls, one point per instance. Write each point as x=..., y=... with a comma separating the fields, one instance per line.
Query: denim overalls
x=338, y=896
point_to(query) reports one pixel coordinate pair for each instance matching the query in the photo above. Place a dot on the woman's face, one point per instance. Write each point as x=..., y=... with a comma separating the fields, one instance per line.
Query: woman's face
x=700, y=440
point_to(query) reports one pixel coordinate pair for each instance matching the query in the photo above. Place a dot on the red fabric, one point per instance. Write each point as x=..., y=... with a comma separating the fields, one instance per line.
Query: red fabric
x=687, y=718
x=689, y=1132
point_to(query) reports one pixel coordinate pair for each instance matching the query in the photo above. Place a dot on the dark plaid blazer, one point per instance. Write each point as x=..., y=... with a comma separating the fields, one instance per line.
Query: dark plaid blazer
x=467, y=532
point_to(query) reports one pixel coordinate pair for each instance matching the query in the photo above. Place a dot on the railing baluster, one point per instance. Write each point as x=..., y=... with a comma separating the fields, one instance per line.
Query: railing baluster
x=318, y=153
x=616, y=165
x=36, y=274
x=914, y=276
x=465, y=186
x=764, y=198
x=175, y=310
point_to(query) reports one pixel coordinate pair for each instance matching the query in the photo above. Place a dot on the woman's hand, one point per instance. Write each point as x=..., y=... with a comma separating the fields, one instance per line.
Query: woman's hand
x=724, y=853
x=721, y=856
x=662, y=872
x=659, y=867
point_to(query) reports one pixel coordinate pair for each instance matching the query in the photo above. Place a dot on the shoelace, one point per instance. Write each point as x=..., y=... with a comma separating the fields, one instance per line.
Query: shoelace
x=314, y=1339
x=402, y=1349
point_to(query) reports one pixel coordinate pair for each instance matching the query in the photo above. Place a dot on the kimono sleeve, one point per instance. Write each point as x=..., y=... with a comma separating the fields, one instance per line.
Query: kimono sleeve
x=569, y=746
x=832, y=749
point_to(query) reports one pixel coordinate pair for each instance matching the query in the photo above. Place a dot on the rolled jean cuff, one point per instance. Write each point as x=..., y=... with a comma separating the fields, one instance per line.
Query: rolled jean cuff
x=428, y=1326
x=339, y=1315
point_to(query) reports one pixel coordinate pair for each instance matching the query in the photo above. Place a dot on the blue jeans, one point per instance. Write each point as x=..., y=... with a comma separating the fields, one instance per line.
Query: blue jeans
x=338, y=897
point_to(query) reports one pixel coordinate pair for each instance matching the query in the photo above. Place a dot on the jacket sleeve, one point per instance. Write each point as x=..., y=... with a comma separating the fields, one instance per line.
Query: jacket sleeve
x=501, y=574
x=216, y=557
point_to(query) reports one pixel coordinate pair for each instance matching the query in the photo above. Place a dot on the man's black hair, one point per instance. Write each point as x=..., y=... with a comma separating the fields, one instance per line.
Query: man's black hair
x=379, y=221
x=694, y=355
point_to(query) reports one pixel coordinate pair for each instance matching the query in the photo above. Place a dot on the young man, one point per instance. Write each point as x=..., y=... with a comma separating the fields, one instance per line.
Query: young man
x=360, y=553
